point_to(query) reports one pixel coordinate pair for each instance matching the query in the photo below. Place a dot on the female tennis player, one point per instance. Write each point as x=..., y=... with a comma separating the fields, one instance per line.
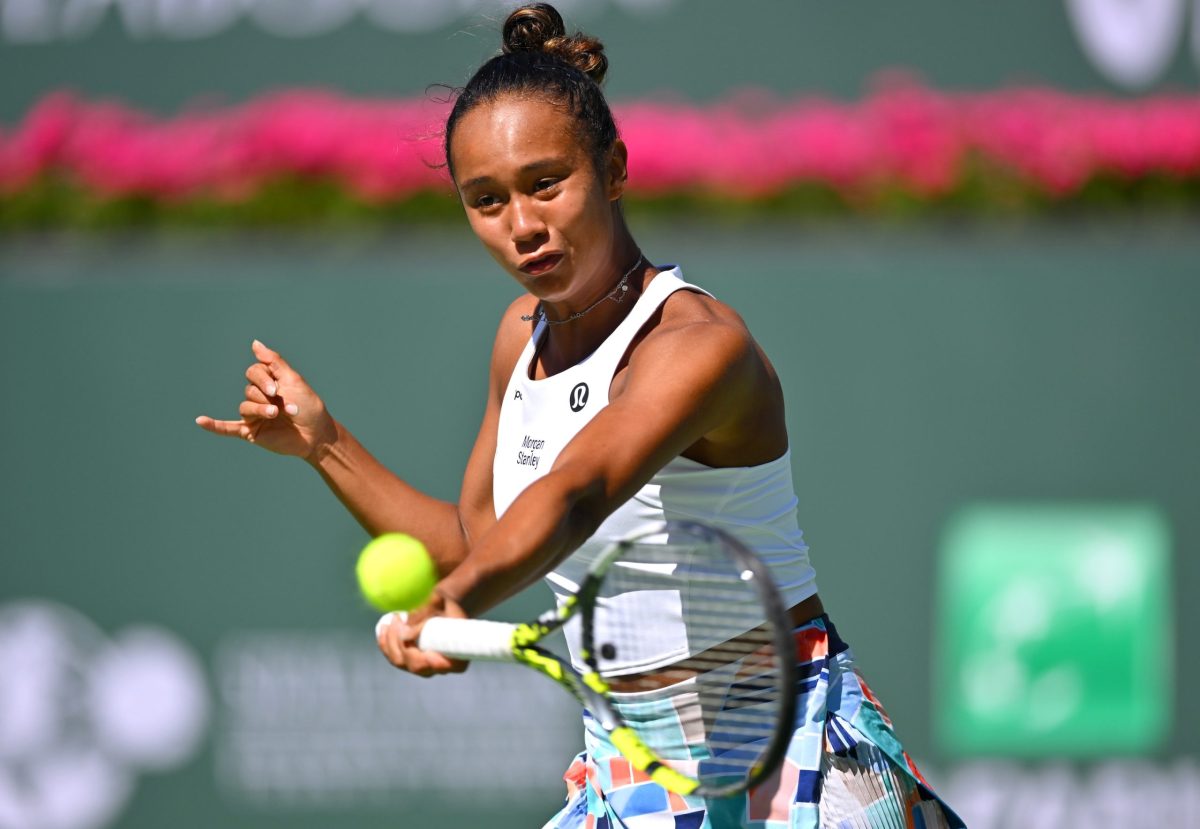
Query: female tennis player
x=619, y=394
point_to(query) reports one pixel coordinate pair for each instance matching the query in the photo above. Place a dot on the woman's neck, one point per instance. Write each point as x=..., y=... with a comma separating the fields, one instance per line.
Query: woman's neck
x=567, y=343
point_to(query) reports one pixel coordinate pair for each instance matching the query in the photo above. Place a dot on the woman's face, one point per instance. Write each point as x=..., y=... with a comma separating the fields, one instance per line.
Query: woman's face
x=534, y=197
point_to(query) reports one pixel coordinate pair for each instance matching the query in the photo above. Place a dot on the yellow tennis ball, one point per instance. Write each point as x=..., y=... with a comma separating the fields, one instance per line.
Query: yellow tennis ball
x=395, y=572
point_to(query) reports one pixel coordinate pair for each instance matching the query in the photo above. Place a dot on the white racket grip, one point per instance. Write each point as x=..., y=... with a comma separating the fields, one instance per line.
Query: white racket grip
x=468, y=639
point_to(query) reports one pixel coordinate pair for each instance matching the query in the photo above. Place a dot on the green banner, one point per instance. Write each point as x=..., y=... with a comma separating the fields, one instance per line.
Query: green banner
x=1055, y=633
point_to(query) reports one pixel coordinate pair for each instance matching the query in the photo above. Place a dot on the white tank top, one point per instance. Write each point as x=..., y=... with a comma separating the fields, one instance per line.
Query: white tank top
x=757, y=504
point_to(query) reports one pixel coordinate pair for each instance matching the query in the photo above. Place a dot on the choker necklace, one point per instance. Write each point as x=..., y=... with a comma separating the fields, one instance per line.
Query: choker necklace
x=616, y=295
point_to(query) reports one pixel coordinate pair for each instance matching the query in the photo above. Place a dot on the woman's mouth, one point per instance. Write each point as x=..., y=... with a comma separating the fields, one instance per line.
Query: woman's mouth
x=542, y=264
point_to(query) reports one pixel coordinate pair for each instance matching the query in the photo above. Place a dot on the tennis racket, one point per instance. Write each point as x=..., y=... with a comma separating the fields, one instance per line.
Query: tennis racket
x=733, y=689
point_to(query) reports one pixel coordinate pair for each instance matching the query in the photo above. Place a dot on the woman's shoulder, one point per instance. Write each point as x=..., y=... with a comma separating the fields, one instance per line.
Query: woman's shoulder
x=690, y=312
x=512, y=334
x=693, y=325
x=514, y=322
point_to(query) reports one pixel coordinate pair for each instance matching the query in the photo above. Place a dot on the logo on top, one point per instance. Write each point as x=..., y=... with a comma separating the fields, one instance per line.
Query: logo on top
x=579, y=397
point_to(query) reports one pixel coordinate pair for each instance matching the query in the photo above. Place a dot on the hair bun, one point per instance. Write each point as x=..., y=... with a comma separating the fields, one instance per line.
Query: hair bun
x=539, y=27
x=528, y=28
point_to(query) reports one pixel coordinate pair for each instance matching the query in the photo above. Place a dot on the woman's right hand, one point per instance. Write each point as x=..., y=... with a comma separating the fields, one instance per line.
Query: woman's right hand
x=281, y=412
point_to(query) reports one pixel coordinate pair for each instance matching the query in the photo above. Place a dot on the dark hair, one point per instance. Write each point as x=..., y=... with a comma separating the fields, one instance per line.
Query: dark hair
x=539, y=59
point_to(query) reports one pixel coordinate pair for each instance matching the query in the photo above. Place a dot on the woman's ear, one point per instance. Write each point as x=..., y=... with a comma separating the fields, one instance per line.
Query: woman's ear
x=618, y=170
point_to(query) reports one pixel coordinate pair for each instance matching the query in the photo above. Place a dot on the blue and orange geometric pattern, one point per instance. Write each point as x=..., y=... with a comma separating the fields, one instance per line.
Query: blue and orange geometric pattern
x=840, y=725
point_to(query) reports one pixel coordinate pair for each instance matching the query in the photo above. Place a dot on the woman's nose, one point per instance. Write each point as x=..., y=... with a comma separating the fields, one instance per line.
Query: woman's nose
x=526, y=221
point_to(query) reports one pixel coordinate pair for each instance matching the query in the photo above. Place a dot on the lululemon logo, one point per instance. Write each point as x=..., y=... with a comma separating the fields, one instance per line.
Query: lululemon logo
x=579, y=396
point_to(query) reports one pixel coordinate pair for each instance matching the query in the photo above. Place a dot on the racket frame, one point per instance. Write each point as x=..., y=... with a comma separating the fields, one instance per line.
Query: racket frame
x=591, y=689
x=625, y=738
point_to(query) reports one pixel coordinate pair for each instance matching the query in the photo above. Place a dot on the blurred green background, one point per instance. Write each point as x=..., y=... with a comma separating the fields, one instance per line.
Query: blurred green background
x=160, y=55
x=181, y=642
x=926, y=368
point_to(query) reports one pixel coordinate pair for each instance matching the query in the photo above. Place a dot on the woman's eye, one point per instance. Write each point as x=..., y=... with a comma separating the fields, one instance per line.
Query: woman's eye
x=486, y=201
x=545, y=184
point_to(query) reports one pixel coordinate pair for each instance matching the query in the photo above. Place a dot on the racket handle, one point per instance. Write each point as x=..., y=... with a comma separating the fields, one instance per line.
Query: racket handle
x=468, y=639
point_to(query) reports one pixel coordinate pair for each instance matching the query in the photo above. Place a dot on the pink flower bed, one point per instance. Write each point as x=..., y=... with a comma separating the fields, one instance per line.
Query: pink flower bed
x=376, y=149
x=904, y=137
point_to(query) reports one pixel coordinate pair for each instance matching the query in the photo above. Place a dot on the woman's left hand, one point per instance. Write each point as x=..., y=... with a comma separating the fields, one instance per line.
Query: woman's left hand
x=398, y=639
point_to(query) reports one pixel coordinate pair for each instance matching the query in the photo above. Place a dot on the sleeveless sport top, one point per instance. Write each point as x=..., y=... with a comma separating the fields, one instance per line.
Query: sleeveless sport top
x=757, y=504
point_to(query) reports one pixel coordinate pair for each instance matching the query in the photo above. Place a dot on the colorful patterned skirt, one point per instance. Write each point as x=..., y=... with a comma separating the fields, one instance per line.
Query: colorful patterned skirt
x=844, y=766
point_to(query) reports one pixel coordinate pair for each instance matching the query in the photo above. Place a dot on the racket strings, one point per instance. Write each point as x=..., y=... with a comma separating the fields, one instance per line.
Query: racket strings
x=726, y=692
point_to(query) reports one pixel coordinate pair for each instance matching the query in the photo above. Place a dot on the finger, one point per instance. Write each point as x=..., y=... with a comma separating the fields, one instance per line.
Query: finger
x=421, y=662
x=386, y=619
x=228, y=428
x=259, y=375
x=438, y=663
x=431, y=663
x=249, y=409
x=391, y=645
x=398, y=636
x=256, y=394
x=395, y=638
x=453, y=666
x=271, y=357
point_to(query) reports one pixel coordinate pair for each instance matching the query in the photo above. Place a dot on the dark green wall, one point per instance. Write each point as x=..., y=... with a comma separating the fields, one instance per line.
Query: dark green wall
x=925, y=368
x=701, y=49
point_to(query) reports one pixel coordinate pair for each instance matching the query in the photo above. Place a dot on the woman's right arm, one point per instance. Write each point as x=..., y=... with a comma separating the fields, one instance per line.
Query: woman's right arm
x=282, y=414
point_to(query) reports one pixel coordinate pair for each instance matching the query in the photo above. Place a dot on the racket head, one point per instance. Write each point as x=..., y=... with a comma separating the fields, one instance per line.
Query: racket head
x=731, y=691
